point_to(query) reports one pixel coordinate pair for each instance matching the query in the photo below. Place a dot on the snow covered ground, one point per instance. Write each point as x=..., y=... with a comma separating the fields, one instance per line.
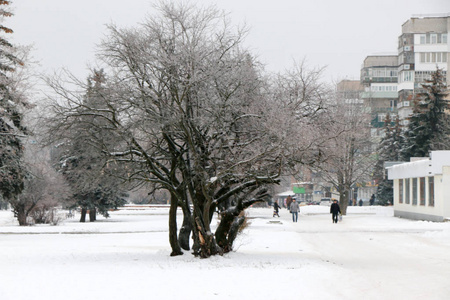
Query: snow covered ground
x=369, y=255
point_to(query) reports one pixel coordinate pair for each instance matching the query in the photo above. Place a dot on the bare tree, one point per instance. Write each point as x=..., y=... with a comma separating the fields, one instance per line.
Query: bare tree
x=192, y=115
x=43, y=191
x=301, y=98
x=347, y=152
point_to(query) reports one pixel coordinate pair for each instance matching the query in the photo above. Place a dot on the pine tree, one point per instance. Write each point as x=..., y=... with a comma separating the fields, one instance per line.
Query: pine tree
x=81, y=159
x=389, y=150
x=428, y=126
x=12, y=170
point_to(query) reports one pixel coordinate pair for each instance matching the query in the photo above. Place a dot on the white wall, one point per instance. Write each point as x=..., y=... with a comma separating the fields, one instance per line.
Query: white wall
x=446, y=191
x=437, y=167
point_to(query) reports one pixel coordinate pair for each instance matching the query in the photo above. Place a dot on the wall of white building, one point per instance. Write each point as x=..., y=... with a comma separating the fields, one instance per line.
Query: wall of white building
x=429, y=183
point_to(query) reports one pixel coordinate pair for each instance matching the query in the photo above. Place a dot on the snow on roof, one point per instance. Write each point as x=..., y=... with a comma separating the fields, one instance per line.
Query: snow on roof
x=285, y=194
x=421, y=167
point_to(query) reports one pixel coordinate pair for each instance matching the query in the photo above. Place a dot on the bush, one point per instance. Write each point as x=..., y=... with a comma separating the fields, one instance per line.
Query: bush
x=45, y=215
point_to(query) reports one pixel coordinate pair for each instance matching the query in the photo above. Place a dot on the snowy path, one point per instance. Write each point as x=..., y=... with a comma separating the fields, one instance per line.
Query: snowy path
x=370, y=255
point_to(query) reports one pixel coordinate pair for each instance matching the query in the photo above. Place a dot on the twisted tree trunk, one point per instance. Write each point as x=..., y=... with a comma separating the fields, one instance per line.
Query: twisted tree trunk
x=186, y=228
x=173, y=238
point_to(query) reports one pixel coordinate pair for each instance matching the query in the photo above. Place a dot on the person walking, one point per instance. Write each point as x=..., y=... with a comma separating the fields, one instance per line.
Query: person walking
x=294, y=208
x=335, y=210
x=288, y=202
x=276, y=207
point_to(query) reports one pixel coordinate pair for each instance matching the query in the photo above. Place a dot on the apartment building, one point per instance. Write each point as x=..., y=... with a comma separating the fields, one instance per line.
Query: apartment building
x=379, y=79
x=422, y=47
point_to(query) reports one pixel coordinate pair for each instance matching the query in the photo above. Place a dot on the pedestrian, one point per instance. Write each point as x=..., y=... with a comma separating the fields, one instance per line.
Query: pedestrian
x=372, y=199
x=288, y=202
x=335, y=210
x=276, y=207
x=360, y=202
x=294, y=208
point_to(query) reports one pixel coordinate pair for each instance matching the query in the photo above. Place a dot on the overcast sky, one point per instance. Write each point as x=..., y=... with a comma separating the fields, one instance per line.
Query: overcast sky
x=332, y=33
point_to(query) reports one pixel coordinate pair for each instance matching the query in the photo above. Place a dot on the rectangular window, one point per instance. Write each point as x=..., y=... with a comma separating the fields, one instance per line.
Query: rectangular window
x=434, y=38
x=430, y=191
x=414, y=191
x=444, y=38
x=423, y=39
x=408, y=76
x=444, y=57
x=400, y=191
x=422, y=57
x=407, y=191
x=439, y=57
x=422, y=191
x=433, y=57
x=428, y=38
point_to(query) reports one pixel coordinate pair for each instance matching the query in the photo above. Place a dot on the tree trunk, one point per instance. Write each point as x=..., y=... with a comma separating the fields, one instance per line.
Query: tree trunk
x=343, y=201
x=227, y=218
x=83, y=215
x=22, y=217
x=92, y=215
x=173, y=239
x=227, y=231
x=186, y=228
x=234, y=230
x=206, y=244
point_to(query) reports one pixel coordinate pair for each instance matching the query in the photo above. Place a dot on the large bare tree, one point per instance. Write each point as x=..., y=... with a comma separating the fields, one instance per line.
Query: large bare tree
x=192, y=114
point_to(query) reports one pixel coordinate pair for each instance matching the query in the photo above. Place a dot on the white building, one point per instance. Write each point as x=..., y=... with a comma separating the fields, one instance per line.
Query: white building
x=422, y=187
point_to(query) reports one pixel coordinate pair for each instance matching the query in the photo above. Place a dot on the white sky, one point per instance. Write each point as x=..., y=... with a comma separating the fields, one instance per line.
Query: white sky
x=336, y=34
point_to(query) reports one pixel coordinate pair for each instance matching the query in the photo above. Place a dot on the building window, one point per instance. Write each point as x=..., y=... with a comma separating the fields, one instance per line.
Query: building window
x=400, y=191
x=423, y=39
x=434, y=38
x=433, y=57
x=414, y=191
x=407, y=191
x=422, y=191
x=430, y=191
x=408, y=76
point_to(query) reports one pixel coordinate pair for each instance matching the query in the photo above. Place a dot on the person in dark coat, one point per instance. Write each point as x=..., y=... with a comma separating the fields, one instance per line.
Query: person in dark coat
x=276, y=207
x=335, y=210
x=288, y=202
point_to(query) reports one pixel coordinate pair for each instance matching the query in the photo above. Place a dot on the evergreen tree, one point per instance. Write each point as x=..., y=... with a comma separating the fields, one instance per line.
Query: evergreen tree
x=428, y=126
x=82, y=161
x=12, y=170
x=389, y=150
